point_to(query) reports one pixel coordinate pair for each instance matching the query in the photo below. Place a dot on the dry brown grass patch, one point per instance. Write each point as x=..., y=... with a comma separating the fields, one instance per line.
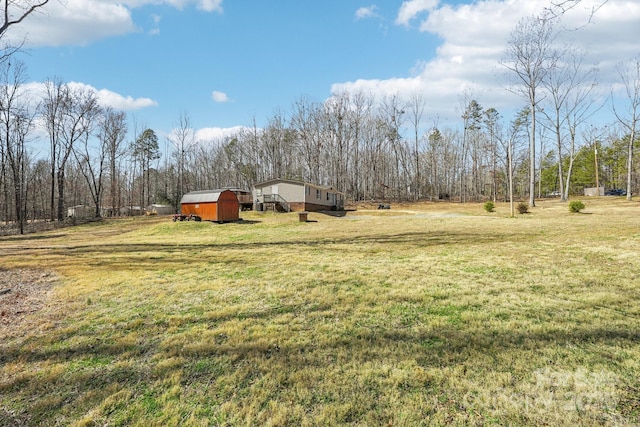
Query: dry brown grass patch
x=23, y=293
x=432, y=314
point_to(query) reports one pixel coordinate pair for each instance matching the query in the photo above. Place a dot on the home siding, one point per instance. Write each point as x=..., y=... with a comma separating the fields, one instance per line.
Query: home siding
x=311, y=198
x=290, y=192
x=300, y=196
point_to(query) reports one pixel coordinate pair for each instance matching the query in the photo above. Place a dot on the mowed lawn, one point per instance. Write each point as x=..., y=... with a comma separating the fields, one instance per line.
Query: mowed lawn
x=424, y=314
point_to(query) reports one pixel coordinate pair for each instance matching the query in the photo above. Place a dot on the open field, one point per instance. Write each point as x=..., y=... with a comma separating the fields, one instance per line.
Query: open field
x=425, y=314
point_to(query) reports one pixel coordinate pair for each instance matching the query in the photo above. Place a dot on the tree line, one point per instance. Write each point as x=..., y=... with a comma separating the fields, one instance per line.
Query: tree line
x=372, y=149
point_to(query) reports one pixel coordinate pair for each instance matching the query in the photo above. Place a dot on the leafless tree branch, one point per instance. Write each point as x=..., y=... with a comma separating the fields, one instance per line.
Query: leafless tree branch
x=11, y=17
x=559, y=8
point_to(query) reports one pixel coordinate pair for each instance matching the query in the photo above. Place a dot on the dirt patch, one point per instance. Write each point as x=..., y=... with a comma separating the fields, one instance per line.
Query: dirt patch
x=22, y=293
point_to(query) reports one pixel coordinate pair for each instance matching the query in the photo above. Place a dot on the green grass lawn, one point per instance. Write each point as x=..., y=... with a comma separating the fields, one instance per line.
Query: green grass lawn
x=425, y=314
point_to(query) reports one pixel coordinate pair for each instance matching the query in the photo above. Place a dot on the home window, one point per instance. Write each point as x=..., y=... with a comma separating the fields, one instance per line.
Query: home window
x=318, y=194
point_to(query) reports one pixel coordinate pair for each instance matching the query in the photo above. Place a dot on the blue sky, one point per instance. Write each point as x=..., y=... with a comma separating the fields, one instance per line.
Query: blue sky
x=224, y=63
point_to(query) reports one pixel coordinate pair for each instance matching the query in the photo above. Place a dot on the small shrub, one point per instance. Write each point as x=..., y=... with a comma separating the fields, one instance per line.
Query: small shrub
x=523, y=208
x=576, y=206
x=489, y=206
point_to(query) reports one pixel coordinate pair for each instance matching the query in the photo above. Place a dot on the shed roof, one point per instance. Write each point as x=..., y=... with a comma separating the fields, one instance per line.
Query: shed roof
x=202, y=196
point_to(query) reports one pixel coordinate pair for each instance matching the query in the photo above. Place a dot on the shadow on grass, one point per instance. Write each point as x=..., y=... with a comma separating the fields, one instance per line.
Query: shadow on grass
x=432, y=345
x=76, y=364
x=94, y=362
x=140, y=256
x=420, y=239
x=336, y=214
x=29, y=237
x=246, y=221
x=432, y=349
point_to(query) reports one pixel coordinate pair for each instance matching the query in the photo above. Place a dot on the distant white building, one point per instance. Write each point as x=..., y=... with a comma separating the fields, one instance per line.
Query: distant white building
x=157, y=209
x=594, y=191
x=80, y=211
x=130, y=211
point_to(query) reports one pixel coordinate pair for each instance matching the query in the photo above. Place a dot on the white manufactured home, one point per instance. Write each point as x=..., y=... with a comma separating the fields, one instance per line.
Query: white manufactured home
x=287, y=195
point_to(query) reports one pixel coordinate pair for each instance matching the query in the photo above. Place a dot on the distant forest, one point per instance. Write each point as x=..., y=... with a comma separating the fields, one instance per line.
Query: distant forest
x=372, y=149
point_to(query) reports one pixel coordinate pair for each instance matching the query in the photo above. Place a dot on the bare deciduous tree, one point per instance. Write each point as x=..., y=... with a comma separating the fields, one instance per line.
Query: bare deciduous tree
x=392, y=120
x=69, y=114
x=97, y=155
x=183, y=140
x=491, y=119
x=52, y=114
x=339, y=136
x=581, y=105
x=630, y=77
x=306, y=120
x=113, y=129
x=13, y=13
x=15, y=124
x=509, y=141
x=557, y=8
x=569, y=103
x=416, y=111
x=361, y=106
x=529, y=57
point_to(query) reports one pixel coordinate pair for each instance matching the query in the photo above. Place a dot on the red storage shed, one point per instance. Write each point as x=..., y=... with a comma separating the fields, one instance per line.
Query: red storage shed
x=211, y=205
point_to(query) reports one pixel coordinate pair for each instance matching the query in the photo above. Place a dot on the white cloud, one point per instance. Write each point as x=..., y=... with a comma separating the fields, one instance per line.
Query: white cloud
x=412, y=8
x=474, y=38
x=106, y=98
x=35, y=92
x=219, y=96
x=156, y=22
x=80, y=22
x=206, y=5
x=73, y=22
x=366, y=12
x=210, y=5
x=218, y=134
